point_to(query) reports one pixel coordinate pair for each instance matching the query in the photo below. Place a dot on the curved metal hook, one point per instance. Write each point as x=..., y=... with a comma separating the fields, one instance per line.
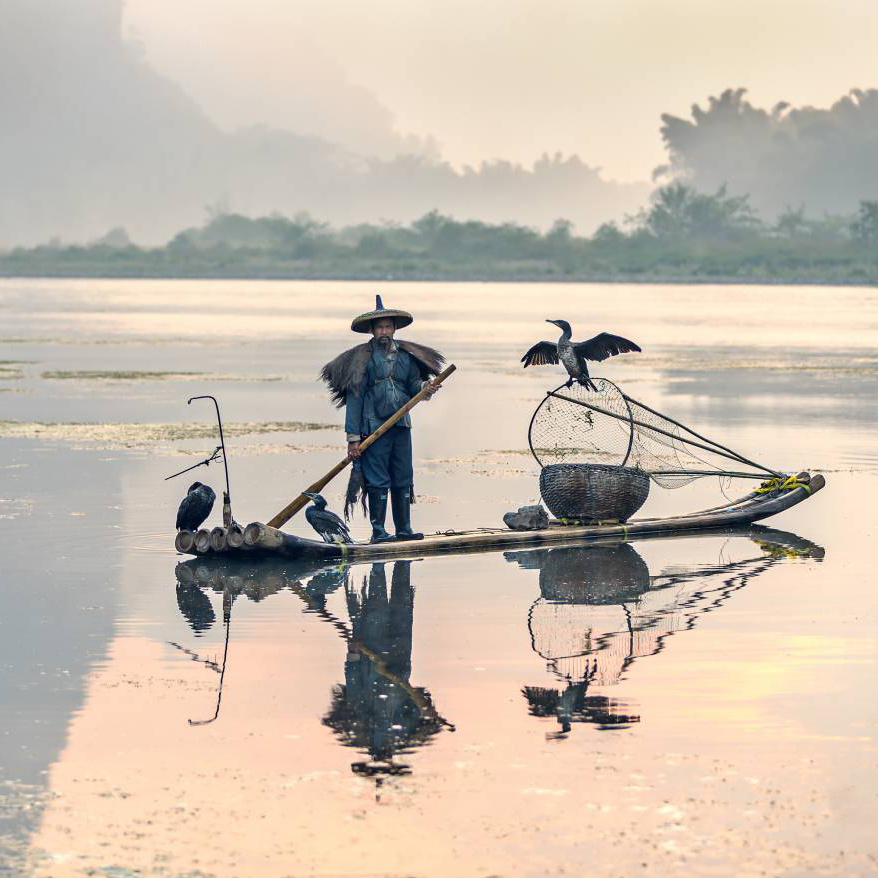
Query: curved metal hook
x=222, y=439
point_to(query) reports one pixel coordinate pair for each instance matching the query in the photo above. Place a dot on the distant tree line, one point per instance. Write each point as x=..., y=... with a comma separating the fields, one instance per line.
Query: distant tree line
x=824, y=158
x=683, y=234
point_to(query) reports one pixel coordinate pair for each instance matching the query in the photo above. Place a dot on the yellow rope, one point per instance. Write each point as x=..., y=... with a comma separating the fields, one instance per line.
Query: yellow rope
x=790, y=483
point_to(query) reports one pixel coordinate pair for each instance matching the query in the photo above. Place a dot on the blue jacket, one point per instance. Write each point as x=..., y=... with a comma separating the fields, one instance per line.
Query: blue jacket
x=391, y=379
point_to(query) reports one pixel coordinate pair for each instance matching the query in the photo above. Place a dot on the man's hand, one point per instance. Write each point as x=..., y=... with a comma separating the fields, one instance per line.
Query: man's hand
x=430, y=389
x=353, y=450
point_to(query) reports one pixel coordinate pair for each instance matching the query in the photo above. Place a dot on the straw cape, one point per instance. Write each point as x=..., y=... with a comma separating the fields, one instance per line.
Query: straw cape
x=363, y=323
x=345, y=373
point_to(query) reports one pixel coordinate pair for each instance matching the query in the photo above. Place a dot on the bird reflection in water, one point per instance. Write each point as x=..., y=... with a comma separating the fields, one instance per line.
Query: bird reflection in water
x=600, y=610
x=195, y=606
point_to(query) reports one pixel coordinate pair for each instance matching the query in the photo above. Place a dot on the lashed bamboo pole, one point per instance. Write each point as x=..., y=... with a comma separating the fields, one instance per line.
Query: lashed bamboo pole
x=218, y=539
x=301, y=501
x=184, y=541
x=235, y=536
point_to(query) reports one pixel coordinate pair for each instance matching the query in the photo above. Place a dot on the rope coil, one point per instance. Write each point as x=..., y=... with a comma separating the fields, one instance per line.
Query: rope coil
x=782, y=483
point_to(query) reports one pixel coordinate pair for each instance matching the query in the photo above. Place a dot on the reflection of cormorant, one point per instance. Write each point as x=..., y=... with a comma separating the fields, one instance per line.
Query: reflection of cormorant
x=195, y=507
x=195, y=605
x=376, y=709
x=325, y=583
x=573, y=705
x=257, y=581
x=599, y=610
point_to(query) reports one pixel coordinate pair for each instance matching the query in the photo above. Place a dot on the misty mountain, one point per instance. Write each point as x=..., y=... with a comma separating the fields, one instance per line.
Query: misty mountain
x=93, y=138
x=784, y=157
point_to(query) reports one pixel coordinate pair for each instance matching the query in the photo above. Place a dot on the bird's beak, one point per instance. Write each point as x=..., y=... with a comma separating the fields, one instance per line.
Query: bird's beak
x=308, y=494
x=554, y=322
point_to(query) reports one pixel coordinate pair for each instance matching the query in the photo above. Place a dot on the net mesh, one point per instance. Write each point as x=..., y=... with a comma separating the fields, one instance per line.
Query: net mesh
x=602, y=425
x=563, y=430
x=659, y=450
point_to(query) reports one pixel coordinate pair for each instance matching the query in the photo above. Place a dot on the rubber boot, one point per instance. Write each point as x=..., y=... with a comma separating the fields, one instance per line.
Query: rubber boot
x=401, y=503
x=377, y=514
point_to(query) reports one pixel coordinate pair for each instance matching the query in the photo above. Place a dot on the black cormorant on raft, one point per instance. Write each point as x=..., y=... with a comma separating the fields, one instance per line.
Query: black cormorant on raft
x=196, y=507
x=573, y=355
x=327, y=524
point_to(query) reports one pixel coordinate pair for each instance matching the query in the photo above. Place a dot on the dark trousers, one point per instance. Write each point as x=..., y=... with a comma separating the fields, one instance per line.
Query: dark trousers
x=387, y=463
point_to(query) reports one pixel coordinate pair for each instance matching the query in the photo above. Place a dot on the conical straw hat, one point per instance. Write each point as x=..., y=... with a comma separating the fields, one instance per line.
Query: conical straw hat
x=363, y=323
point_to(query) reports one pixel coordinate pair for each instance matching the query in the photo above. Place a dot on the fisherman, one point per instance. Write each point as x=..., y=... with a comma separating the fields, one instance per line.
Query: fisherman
x=374, y=380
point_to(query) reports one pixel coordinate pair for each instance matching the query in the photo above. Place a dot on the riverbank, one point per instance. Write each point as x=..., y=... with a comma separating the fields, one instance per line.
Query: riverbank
x=652, y=249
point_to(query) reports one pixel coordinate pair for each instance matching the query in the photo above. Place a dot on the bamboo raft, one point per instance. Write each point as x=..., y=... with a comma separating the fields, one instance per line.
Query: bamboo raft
x=262, y=539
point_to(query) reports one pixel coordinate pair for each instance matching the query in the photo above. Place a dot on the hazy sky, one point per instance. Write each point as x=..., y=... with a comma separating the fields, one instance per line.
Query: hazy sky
x=505, y=78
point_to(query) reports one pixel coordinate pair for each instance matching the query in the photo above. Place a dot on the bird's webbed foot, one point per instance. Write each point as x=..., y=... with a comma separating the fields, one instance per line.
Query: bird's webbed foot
x=569, y=382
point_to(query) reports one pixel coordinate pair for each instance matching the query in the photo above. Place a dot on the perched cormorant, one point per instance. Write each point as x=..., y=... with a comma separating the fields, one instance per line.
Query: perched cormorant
x=574, y=354
x=195, y=507
x=330, y=527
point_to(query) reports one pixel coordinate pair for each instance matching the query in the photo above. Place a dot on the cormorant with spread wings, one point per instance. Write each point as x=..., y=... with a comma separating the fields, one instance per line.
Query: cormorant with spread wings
x=573, y=355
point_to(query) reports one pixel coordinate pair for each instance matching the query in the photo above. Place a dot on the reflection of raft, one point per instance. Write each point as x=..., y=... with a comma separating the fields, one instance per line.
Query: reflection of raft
x=258, y=538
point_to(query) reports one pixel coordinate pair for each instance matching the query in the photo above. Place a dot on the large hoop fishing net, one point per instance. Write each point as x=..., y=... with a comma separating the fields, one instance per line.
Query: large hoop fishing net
x=581, y=425
x=602, y=425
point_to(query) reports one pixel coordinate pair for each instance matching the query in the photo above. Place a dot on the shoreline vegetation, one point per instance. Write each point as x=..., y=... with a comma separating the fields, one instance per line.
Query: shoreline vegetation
x=683, y=236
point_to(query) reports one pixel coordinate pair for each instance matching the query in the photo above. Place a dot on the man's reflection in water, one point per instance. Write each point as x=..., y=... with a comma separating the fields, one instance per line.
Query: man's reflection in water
x=377, y=709
x=600, y=610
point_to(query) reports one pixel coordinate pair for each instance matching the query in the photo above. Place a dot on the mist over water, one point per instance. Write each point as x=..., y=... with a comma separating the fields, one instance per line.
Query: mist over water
x=100, y=140
x=254, y=120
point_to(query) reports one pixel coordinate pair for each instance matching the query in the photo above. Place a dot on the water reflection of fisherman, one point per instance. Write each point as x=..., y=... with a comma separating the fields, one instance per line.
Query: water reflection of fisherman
x=375, y=710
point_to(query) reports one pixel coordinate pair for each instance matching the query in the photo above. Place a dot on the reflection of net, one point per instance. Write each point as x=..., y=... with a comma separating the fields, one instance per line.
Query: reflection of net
x=562, y=431
x=595, y=644
x=604, y=426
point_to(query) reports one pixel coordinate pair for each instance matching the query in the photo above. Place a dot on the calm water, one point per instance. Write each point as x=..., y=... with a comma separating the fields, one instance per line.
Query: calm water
x=694, y=705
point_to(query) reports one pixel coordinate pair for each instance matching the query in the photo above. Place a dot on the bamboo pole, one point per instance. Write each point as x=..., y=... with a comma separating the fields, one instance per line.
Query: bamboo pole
x=235, y=536
x=262, y=536
x=301, y=501
x=184, y=541
x=202, y=541
x=218, y=540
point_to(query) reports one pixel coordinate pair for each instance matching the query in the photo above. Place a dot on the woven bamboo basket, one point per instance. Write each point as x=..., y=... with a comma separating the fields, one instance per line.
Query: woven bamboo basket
x=593, y=492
